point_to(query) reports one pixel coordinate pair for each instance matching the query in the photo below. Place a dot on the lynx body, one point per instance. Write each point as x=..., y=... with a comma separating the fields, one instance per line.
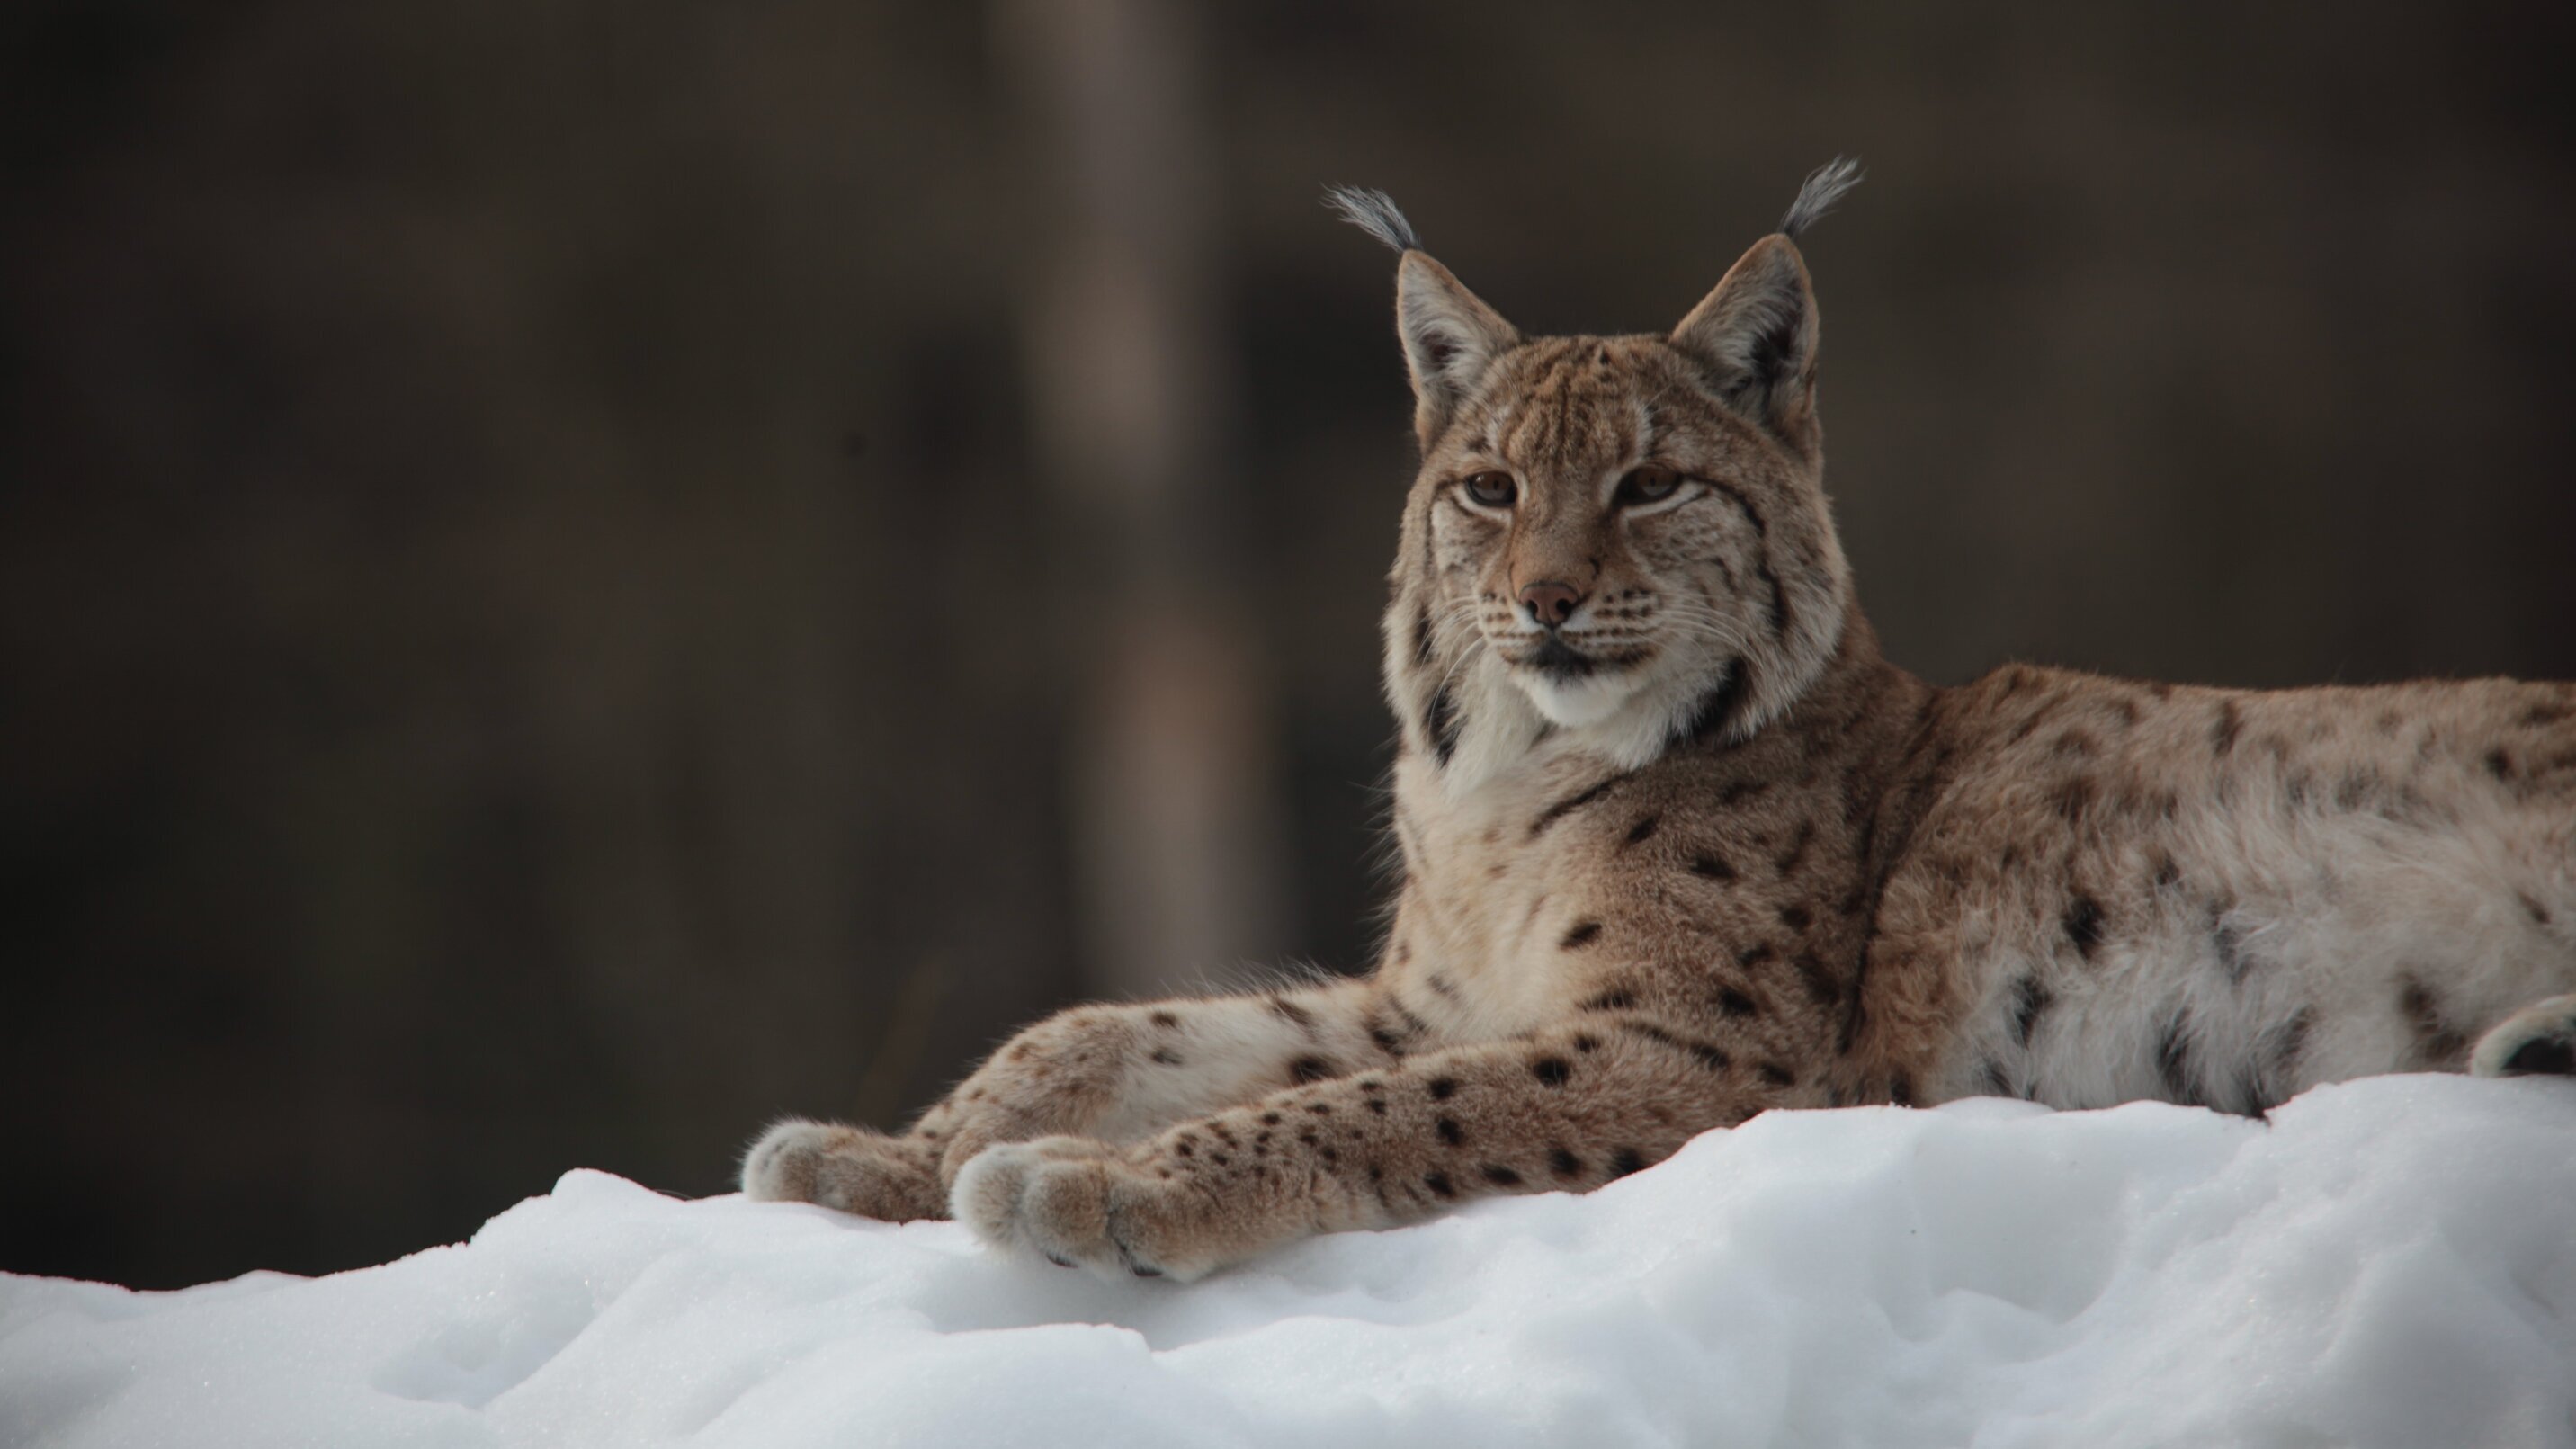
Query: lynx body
x=1679, y=846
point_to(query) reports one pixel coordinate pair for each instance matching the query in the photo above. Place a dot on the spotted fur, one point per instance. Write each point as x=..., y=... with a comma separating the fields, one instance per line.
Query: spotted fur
x=1699, y=851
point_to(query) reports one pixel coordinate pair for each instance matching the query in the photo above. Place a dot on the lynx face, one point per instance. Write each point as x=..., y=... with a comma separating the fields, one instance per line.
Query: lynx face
x=1602, y=522
x=1620, y=536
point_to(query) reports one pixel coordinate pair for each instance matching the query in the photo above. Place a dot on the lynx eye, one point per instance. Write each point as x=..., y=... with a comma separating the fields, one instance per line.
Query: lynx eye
x=1492, y=490
x=1650, y=484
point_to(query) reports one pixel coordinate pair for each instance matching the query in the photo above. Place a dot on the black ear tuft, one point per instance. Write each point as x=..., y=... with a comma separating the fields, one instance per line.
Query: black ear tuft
x=1373, y=212
x=1825, y=185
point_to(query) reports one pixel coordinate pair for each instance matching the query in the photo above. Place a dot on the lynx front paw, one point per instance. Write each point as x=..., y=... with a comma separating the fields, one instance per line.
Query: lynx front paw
x=2539, y=1040
x=889, y=1178
x=1076, y=1203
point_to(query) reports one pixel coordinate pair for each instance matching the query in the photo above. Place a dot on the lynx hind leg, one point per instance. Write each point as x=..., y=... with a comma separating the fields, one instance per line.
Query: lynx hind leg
x=893, y=1179
x=2539, y=1040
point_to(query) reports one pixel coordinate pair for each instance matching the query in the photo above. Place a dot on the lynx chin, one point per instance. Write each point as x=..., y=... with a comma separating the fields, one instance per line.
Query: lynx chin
x=1679, y=846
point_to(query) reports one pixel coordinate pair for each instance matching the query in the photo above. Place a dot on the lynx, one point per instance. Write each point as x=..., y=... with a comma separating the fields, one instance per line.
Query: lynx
x=1679, y=846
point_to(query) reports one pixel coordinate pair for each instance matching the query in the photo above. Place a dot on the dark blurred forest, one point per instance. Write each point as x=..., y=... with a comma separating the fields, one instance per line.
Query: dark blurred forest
x=579, y=575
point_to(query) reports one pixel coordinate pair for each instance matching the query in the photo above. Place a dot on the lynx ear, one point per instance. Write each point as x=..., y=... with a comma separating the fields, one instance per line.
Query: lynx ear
x=1450, y=335
x=1756, y=336
x=1450, y=338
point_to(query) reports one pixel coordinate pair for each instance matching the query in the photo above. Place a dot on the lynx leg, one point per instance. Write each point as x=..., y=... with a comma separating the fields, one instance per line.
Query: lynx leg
x=1566, y=1109
x=1119, y=1073
x=1111, y=1072
x=2539, y=1040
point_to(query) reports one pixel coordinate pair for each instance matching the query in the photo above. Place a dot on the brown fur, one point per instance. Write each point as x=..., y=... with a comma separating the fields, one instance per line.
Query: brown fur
x=1704, y=853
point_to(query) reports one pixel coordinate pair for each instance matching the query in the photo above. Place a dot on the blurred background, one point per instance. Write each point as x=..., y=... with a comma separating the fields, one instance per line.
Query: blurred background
x=576, y=576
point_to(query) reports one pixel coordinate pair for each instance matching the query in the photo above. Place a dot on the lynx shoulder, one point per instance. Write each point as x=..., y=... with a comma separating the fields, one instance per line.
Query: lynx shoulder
x=1681, y=846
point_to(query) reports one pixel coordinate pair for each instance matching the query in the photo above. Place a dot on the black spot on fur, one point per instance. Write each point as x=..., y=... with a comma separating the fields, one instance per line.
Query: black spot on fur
x=1422, y=653
x=1797, y=918
x=1311, y=1069
x=1439, y=1184
x=1581, y=935
x=2168, y=873
x=2532, y=907
x=1564, y=1163
x=2173, y=1061
x=1818, y=980
x=2224, y=729
x=2030, y=998
x=1167, y=1057
x=1643, y=829
x=1377, y=1105
x=1715, y=708
x=2436, y=1042
x=1164, y=1018
x=1499, y=1175
x=1713, y=1058
x=1756, y=954
x=1618, y=998
x=1269, y=1119
x=1320, y=1109
x=1626, y=1160
x=1449, y=1130
x=1741, y=791
x=1735, y=1003
x=1900, y=1090
x=1652, y=1033
x=2084, y=925
x=1585, y=1041
x=1442, y=1088
x=2499, y=764
x=1281, y=1006
x=1441, y=983
x=1569, y=805
x=1796, y=855
x=1712, y=868
x=2285, y=1044
x=2227, y=940
x=1779, y=597
x=1440, y=724
x=1778, y=1075
x=2073, y=799
x=1551, y=1071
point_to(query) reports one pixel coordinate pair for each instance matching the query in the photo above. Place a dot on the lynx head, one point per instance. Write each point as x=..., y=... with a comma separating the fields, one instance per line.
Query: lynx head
x=1622, y=537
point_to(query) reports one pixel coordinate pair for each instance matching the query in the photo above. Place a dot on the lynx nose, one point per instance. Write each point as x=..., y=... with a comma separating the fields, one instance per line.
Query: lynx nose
x=1550, y=603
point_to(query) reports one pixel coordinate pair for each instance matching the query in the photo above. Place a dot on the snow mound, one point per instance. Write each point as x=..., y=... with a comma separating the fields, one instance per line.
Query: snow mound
x=2388, y=1262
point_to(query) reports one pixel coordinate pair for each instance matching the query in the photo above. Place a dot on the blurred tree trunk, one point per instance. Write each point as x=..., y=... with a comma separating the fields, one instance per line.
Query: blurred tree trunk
x=1176, y=817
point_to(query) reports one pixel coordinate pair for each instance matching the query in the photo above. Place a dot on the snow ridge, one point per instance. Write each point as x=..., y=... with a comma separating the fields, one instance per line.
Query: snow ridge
x=2388, y=1262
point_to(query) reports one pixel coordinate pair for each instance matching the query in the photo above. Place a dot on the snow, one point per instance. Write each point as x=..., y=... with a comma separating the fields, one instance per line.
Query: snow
x=2391, y=1261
